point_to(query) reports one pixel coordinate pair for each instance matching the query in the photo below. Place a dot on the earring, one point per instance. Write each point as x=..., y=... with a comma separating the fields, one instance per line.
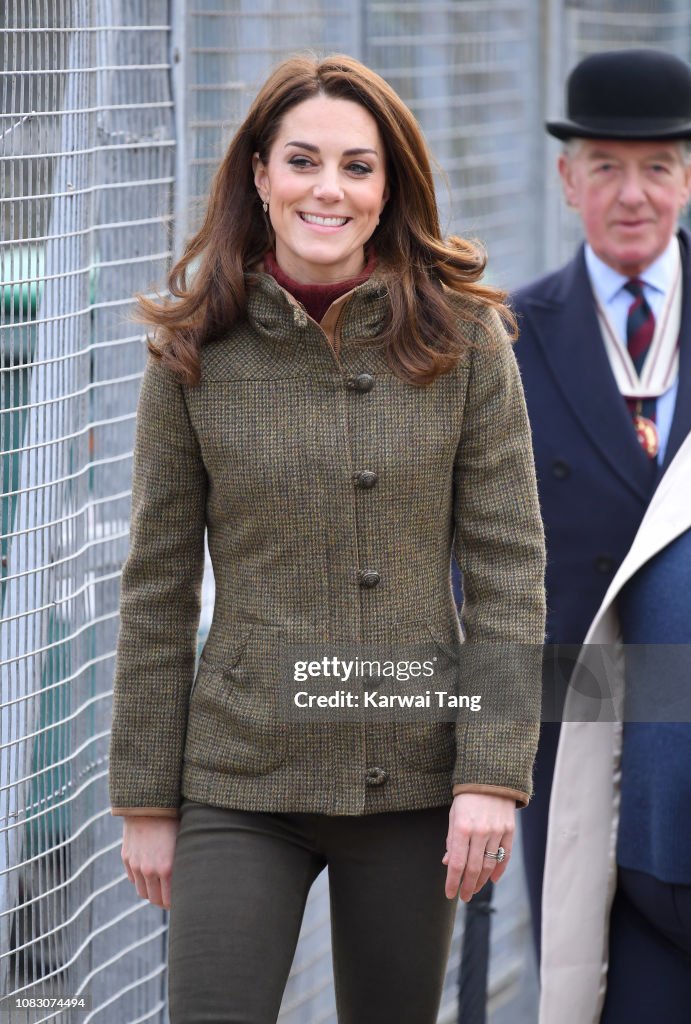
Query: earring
x=265, y=206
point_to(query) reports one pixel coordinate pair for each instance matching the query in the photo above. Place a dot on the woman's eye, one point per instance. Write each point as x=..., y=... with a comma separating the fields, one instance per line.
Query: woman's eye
x=300, y=161
x=358, y=168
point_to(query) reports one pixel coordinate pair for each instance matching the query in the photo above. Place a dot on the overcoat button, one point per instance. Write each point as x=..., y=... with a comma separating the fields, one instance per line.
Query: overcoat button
x=368, y=577
x=604, y=564
x=363, y=382
x=561, y=469
x=376, y=776
x=366, y=478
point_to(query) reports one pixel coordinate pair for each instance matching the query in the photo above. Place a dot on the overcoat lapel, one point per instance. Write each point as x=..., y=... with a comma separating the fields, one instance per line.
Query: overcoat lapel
x=681, y=423
x=567, y=330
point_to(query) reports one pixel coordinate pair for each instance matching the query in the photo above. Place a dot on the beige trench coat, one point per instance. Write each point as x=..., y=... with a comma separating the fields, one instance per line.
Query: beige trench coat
x=580, y=868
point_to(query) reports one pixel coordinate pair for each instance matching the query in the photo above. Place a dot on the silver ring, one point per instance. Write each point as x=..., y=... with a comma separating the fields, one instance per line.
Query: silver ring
x=498, y=856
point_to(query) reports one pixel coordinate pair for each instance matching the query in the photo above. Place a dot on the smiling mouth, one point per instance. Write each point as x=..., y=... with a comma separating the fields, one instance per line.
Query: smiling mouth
x=324, y=222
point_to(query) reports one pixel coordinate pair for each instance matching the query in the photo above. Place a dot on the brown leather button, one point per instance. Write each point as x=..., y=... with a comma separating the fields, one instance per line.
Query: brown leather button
x=366, y=478
x=376, y=776
x=363, y=382
x=368, y=577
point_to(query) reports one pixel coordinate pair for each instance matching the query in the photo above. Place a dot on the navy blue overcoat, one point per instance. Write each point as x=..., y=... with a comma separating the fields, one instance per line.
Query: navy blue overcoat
x=594, y=479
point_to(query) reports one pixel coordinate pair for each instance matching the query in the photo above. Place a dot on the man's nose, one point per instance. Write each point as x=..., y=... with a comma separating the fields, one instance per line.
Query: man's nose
x=632, y=191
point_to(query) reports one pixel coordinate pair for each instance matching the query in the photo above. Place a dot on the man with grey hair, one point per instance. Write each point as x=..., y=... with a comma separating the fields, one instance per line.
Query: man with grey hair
x=605, y=354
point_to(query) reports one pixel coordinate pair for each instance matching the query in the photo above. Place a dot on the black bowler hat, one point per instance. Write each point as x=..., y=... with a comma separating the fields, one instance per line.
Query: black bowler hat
x=627, y=94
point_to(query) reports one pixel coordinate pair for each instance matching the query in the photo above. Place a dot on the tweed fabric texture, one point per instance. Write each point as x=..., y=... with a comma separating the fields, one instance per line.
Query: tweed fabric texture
x=264, y=455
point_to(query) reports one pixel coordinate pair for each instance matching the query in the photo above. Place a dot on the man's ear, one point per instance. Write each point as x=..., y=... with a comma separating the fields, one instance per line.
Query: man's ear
x=566, y=173
x=686, y=191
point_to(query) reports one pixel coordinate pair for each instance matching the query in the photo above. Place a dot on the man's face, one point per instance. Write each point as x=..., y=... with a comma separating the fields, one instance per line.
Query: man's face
x=629, y=196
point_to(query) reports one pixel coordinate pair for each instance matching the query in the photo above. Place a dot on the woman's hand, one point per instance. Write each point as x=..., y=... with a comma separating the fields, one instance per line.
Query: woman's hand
x=148, y=846
x=477, y=822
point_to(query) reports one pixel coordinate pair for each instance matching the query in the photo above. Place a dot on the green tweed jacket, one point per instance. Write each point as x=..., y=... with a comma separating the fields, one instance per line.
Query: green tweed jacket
x=333, y=494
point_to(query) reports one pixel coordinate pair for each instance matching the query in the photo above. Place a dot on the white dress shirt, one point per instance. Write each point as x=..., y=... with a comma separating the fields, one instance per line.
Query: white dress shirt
x=608, y=286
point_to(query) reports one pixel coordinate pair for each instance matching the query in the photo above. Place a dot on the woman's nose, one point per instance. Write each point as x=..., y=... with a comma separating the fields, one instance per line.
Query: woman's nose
x=328, y=189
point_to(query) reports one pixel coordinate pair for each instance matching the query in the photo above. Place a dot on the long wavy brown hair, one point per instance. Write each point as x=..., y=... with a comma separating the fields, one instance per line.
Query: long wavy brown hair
x=418, y=266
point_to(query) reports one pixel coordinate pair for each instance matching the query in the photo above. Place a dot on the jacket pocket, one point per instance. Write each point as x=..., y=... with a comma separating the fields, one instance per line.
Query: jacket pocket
x=234, y=725
x=428, y=743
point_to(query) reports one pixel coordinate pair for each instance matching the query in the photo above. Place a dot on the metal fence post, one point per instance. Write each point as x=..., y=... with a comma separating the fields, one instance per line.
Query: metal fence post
x=178, y=88
x=473, y=970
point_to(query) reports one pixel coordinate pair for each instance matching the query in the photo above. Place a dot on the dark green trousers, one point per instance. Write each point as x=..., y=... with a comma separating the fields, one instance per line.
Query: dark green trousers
x=240, y=882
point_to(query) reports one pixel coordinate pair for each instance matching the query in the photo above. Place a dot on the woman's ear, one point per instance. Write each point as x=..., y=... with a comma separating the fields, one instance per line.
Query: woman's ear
x=260, y=177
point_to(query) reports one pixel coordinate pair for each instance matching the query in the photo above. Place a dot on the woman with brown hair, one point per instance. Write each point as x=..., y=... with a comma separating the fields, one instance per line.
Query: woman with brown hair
x=331, y=396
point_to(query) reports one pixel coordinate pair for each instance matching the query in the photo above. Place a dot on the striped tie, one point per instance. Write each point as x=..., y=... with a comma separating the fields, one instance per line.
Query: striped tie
x=640, y=324
x=640, y=328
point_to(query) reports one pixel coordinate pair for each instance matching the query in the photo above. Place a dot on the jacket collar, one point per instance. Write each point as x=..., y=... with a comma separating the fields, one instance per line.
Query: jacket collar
x=273, y=311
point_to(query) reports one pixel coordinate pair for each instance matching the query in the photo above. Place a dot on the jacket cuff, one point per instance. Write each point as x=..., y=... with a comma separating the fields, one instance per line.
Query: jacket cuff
x=149, y=812
x=521, y=798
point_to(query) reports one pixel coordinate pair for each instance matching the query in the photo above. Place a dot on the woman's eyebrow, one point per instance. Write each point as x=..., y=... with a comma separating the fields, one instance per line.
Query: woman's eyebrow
x=357, y=151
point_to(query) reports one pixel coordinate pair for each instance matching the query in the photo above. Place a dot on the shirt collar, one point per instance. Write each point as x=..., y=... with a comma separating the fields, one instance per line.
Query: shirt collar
x=607, y=283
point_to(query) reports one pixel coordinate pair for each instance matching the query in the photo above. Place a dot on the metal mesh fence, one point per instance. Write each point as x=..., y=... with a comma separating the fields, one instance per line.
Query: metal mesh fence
x=469, y=72
x=113, y=116
x=86, y=180
x=574, y=30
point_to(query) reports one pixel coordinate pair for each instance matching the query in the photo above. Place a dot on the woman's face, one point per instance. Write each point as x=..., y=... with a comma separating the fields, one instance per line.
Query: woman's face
x=325, y=184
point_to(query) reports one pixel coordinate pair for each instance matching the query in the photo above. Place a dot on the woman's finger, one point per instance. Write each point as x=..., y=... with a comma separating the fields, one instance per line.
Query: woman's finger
x=499, y=868
x=165, y=890
x=140, y=885
x=455, y=859
x=153, y=890
x=489, y=864
x=475, y=865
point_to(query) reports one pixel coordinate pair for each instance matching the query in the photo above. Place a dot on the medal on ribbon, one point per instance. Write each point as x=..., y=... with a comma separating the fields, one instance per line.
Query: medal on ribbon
x=646, y=432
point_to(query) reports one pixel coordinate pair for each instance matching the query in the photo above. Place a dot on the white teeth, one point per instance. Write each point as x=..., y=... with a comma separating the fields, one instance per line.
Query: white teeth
x=327, y=222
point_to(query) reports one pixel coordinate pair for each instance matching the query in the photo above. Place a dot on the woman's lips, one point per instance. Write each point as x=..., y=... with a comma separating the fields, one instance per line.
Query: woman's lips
x=321, y=221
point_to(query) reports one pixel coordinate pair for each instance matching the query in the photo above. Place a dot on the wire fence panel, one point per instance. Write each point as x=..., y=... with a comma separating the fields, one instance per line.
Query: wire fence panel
x=469, y=71
x=584, y=27
x=231, y=48
x=86, y=186
x=113, y=117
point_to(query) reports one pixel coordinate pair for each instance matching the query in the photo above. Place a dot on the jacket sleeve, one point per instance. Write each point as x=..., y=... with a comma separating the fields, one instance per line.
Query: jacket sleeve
x=160, y=602
x=499, y=547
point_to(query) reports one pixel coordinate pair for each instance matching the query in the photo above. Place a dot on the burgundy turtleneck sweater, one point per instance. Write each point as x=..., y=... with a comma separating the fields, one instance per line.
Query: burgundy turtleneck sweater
x=316, y=298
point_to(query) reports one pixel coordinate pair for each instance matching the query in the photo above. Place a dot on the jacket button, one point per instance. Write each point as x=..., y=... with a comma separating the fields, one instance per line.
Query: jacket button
x=368, y=577
x=363, y=382
x=366, y=479
x=376, y=776
x=604, y=564
x=561, y=469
